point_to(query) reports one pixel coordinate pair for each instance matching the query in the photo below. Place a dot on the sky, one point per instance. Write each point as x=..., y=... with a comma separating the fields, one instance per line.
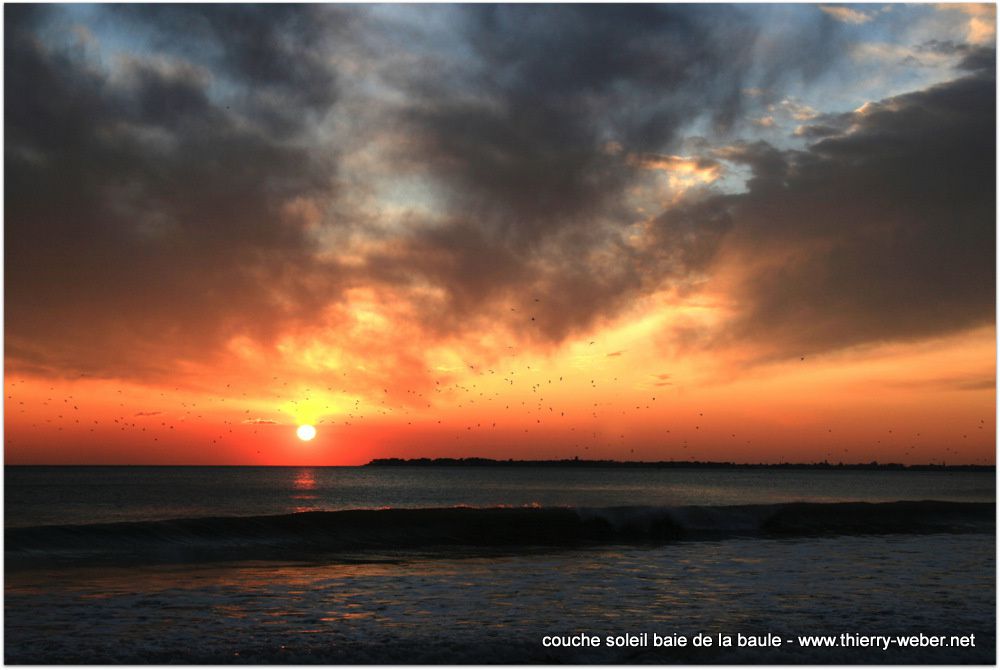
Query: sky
x=753, y=233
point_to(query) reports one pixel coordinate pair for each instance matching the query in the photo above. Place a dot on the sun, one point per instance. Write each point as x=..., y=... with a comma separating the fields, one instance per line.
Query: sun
x=306, y=432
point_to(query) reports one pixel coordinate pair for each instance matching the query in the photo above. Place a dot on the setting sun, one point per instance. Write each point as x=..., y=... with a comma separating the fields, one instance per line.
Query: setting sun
x=607, y=311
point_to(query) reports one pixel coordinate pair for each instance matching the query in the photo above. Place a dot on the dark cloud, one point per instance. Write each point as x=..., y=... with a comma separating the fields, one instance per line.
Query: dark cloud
x=530, y=153
x=274, y=56
x=982, y=59
x=145, y=221
x=883, y=233
x=951, y=383
x=972, y=57
x=525, y=149
x=816, y=130
x=161, y=203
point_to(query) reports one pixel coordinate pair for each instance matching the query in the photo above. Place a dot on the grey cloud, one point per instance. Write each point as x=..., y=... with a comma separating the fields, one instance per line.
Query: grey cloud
x=813, y=131
x=965, y=382
x=979, y=59
x=274, y=55
x=530, y=158
x=145, y=222
x=147, y=213
x=884, y=233
x=526, y=153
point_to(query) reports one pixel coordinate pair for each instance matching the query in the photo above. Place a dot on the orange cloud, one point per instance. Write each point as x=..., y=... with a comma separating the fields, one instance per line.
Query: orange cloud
x=982, y=26
x=846, y=14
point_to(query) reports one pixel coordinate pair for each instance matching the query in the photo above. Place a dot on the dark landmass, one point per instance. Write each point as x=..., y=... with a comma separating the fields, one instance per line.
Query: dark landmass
x=718, y=465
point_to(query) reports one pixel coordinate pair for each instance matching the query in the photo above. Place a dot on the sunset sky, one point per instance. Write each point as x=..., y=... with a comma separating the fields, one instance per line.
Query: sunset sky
x=757, y=233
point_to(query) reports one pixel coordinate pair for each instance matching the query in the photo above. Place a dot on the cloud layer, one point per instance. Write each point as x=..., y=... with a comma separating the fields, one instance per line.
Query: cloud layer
x=884, y=231
x=182, y=176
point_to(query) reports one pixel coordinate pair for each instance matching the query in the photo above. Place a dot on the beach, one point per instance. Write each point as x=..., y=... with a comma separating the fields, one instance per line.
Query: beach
x=417, y=584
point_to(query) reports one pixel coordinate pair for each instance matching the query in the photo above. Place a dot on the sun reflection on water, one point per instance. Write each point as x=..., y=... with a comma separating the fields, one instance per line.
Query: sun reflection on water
x=304, y=488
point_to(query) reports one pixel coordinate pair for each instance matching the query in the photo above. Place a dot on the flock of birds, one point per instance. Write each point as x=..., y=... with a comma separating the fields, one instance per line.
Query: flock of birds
x=572, y=411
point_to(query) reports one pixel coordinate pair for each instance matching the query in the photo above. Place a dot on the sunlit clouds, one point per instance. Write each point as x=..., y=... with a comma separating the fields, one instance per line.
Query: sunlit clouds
x=847, y=14
x=982, y=20
x=753, y=233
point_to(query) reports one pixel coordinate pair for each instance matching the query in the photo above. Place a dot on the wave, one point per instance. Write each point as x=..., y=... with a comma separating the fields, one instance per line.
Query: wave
x=353, y=533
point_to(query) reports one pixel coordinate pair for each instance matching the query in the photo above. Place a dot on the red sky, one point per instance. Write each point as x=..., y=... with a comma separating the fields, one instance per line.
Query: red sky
x=755, y=233
x=909, y=404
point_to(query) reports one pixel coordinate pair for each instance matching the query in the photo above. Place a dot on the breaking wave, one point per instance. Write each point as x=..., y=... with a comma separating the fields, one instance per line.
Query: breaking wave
x=351, y=534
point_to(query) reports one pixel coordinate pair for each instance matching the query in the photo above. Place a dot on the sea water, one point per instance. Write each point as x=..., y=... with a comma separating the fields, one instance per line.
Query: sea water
x=823, y=570
x=54, y=495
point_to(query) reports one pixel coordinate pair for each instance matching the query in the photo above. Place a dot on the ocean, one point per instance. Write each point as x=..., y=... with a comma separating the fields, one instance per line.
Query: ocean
x=490, y=564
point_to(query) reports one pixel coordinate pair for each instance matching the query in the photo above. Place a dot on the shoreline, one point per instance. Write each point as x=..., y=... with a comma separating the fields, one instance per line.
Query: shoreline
x=718, y=465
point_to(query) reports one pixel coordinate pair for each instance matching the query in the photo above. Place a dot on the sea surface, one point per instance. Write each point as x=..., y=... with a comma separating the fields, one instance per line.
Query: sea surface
x=479, y=564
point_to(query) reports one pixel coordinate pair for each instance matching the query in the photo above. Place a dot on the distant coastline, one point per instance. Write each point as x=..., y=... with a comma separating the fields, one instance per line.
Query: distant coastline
x=721, y=465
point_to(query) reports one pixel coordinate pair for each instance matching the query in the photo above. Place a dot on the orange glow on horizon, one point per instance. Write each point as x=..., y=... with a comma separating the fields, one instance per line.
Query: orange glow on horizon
x=613, y=394
x=335, y=259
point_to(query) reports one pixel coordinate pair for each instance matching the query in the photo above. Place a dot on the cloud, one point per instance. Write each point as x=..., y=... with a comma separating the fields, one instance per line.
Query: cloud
x=702, y=169
x=968, y=382
x=306, y=174
x=523, y=151
x=883, y=231
x=982, y=22
x=535, y=157
x=146, y=220
x=275, y=56
x=846, y=14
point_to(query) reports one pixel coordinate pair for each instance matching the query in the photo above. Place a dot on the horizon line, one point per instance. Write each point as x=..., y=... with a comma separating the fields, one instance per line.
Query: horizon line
x=474, y=460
